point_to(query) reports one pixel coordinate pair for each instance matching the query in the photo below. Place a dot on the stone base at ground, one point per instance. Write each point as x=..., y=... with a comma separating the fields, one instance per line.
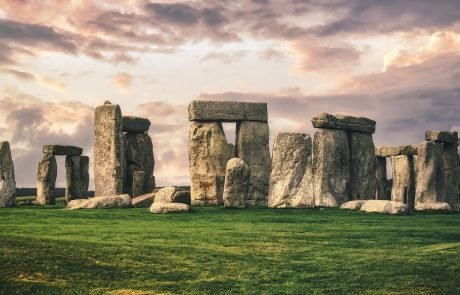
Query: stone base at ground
x=353, y=205
x=383, y=206
x=236, y=185
x=437, y=206
x=106, y=202
x=143, y=201
x=160, y=208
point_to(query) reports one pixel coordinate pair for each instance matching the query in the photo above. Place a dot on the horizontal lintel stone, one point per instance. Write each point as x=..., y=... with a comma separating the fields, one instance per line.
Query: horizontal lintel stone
x=62, y=150
x=390, y=151
x=344, y=122
x=442, y=136
x=227, y=111
x=135, y=124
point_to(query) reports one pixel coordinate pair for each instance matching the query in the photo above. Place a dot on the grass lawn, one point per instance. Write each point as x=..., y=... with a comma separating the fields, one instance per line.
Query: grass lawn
x=45, y=250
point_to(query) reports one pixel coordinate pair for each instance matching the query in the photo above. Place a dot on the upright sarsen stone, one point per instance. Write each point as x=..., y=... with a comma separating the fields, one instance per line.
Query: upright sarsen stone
x=7, y=180
x=46, y=180
x=84, y=175
x=381, y=178
x=452, y=173
x=236, y=185
x=403, y=189
x=138, y=183
x=429, y=166
x=362, y=166
x=73, y=183
x=139, y=157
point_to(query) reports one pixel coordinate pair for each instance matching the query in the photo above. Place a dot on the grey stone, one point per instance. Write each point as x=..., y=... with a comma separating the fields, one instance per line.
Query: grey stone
x=62, y=150
x=73, y=182
x=291, y=179
x=227, y=111
x=46, y=180
x=362, y=166
x=429, y=166
x=252, y=146
x=143, y=201
x=84, y=175
x=442, y=136
x=209, y=153
x=182, y=197
x=152, y=183
x=403, y=172
x=165, y=195
x=138, y=183
x=344, y=122
x=139, y=157
x=331, y=167
x=236, y=185
x=109, y=154
x=452, y=173
x=135, y=124
x=353, y=205
x=389, y=151
x=161, y=208
x=381, y=179
x=383, y=206
x=437, y=206
x=7, y=180
x=103, y=202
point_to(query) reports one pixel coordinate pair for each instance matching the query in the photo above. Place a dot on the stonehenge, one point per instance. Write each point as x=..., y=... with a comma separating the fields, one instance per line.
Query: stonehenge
x=7, y=180
x=236, y=186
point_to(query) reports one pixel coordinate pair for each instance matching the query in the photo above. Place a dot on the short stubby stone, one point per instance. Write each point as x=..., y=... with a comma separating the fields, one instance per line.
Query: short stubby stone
x=389, y=151
x=138, y=183
x=291, y=179
x=362, y=166
x=143, y=201
x=160, y=208
x=353, y=205
x=236, y=185
x=7, y=180
x=403, y=189
x=442, y=136
x=430, y=174
x=139, y=157
x=103, y=202
x=73, y=181
x=165, y=195
x=62, y=150
x=381, y=179
x=383, y=206
x=46, y=180
x=436, y=206
x=344, y=122
x=135, y=124
x=227, y=111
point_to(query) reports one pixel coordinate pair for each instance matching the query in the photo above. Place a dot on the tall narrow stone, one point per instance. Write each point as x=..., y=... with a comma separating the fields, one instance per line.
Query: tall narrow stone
x=138, y=183
x=331, y=167
x=236, y=183
x=73, y=183
x=7, y=180
x=362, y=166
x=403, y=189
x=291, y=183
x=381, y=178
x=84, y=175
x=109, y=155
x=209, y=153
x=139, y=157
x=46, y=180
x=452, y=173
x=252, y=146
x=430, y=173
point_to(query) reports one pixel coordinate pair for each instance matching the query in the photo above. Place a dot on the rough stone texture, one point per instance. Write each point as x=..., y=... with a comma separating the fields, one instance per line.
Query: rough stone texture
x=143, y=201
x=7, y=180
x=104, y=202
x=160, y=208
x=382, y=206
x=109, y=154
x=209, y=153
x=430, y=175
x=291, y=179
x=389, y=151
x=139, y=157
x=353, y=205
x=442, y=136
x=403, y=172
x=381, y=178
x=46, y=180
x=152, y=183
x=62, y=150
x=84, y=175
x=138, y=183
x=165, y=195
x=182, y=197
x=331, y=167
x=73, y=182
x=252, y=146
x=343, y=122
x=452, y=173
x=438, y=206
x=236, y=185
x=227, y=111
x=135, y=124
x=362, y=166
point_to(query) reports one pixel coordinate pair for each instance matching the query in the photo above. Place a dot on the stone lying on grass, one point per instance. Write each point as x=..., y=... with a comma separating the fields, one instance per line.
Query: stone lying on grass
x=383, y=206
x=159, y=208
x=353, y=205
x=143, y=201
x=106, y=202
x=436, y=206
x=171, y=194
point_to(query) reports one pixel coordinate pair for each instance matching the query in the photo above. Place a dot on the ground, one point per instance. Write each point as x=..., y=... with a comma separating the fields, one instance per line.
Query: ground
x=46, y=250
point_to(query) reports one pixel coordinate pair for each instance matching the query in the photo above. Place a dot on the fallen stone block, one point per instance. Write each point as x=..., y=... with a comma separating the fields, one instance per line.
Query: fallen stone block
x=436, y=206
x=383, y=206
x=353, y=205
x=135, y=124
x=389, y=151
x=441, y=136
x=144, y=201
x=160, y=208
x=62, y=150
x=227, y=111
x=105, y=202
x=343, y=122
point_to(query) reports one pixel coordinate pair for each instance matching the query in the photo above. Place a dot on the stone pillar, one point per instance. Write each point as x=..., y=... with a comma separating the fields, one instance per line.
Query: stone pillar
x=430, y=173
x=138, y=183
x=291, y=178
x=362, y=166
x=84, y=176
x=452, y=172
x=7, y=180
x=73, y=184
x=46, y=180
x=139, y=157
x=209, y=153
x=252, y=146
x=237, y=182
x=109, y=155
x=403, y=189
x=381, y=178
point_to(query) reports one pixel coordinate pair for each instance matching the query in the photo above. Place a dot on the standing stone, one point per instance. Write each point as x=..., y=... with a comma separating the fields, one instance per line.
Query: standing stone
x=331, y=167
x=46, y=180
x=381, y=178
x=73, y=185
x=291, y=183
x=403, y=189
x=209, y=153
x=236, y=186
x=430, y=173
x=362, y=166
x=138, y=183
x=84, y=175
x=452, y=173
x=139, y=157
x=109, y=155
x=7, y=181
x=152, y=183
x=252, y=146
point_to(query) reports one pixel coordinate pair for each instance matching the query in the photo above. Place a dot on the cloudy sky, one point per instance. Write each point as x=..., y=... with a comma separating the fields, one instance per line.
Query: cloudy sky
x=397, y=62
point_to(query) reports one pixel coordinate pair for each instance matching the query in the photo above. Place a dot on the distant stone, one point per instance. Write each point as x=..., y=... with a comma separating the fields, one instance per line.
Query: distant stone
x=62, y=150
x=383, y=206
x=165, y=195
x=105, y=202
x=143, y=201
x=160, y=208
x=152, y=183
x=437, y=206
x=46, y=180
x=389, y=151
x=381, y=178
x=73, y=181
x=236, y=183
x=84, y=175
x=182, y=197
x=430, y=173
x=138, y=183
x=135, y=124
x=452, y=173
x=442, y=136
x=403, y=171
x=7, y=180
x=344, y=122
x=362, y=166
x=353, y=205
x=227, y=111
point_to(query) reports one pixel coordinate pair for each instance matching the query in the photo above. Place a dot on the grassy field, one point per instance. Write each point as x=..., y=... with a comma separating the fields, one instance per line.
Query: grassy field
x=45, y=250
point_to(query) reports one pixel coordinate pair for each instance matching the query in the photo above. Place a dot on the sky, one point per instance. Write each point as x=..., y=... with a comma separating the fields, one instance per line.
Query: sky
x=396, y=62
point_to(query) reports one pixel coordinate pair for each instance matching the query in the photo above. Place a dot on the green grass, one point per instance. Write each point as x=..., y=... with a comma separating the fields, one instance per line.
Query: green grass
x=44, y=250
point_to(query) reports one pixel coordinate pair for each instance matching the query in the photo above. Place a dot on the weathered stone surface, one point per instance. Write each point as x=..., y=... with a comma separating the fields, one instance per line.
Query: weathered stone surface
x=362, y=166
x=442, y=136
x=381, y=178
x=331, y=167
x=437, y=206
x=382, y=206
x=73, y=182
x=227, y=111
x=109, y=154
x=389, y=151
x=160, y=208
x=104, y=202
x=452, y=173
x=62, y=150
x=182, y=197
x=209, y=153
x=143, y=201
x=152, y=183
x=236, y=185
x=291, y=179
x=252, y=146
x=353, y=205
x=139, y=157
x=138, y=183
x=344, y=122
x=403, y=189
x=135, y=124
x=46, y=180
x=84, y=175
x=429, y=166
x=165, y=195
x=7, y=180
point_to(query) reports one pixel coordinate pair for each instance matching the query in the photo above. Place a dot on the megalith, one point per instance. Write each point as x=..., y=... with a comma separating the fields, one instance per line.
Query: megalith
x=84, y=175
x=403, y=189
x=138, y=183
x=7, y=180
x=381, y=178
x=237, y=183
x=362, y=166
x=139, y=157
x=73, y=188
x=46, y=180
x=430, y=175
x=291, y=178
